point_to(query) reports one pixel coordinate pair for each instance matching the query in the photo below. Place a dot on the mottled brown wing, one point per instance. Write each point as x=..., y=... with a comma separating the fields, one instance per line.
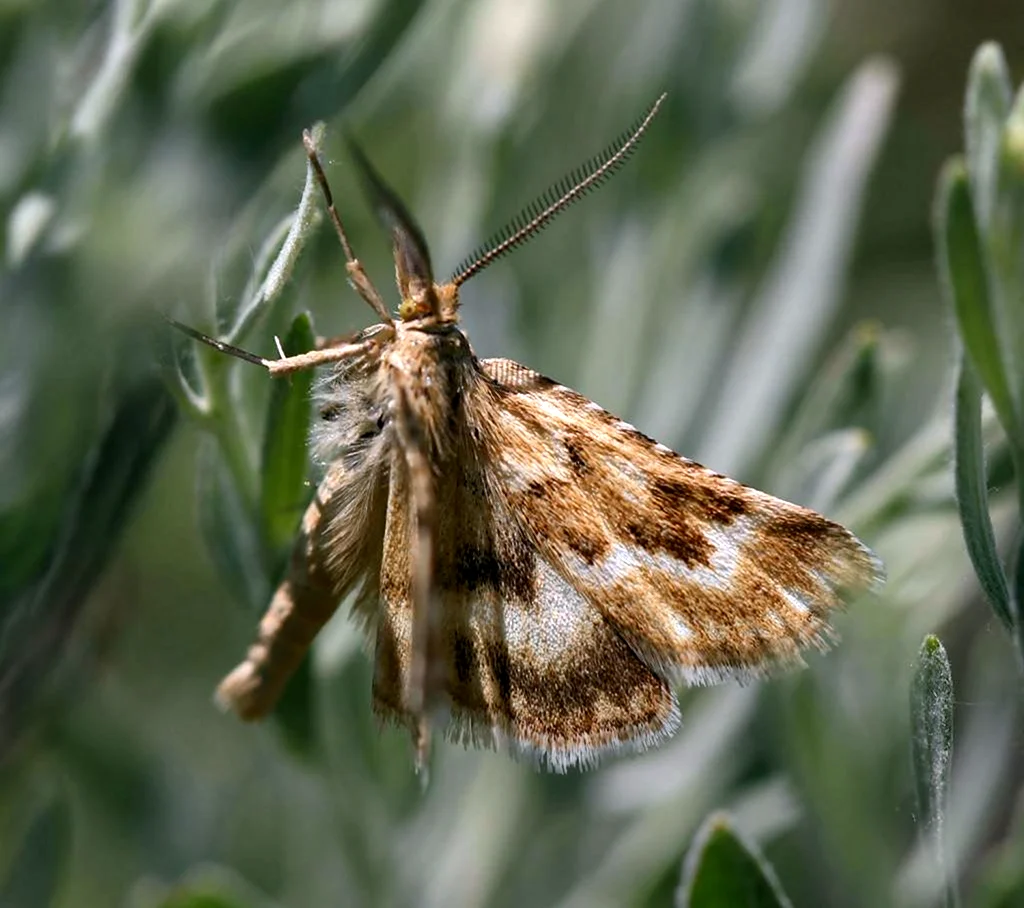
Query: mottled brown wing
x=517, y=658
x=704, y=577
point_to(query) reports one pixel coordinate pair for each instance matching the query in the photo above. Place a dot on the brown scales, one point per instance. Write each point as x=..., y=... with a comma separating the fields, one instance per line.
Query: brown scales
x=531, y=571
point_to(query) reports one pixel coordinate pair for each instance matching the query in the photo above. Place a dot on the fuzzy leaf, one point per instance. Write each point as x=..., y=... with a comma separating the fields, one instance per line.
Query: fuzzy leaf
x=972, y=493
x=988, y=104
x=931, y=718
x=722, y=870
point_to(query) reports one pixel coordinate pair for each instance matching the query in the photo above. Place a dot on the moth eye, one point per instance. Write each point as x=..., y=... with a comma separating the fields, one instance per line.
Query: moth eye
x=330, y=412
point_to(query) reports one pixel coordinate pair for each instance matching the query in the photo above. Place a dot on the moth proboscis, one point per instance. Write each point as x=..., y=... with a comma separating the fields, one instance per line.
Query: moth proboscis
x=531, y=570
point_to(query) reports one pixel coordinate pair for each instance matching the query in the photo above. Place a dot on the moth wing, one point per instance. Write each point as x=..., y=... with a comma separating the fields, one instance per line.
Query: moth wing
x=705, y=578
x=517, y=658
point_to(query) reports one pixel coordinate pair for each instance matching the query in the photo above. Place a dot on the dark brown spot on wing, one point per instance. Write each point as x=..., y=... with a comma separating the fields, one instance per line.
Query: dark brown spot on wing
x=470, y=568
x=680, y=538
x=720, y=502
x=587, y=544
x=575, y=450
x=801, y=526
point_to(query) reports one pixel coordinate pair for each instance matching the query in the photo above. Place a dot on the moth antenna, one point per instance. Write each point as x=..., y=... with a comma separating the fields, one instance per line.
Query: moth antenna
x=230, y=349
x=572, y=187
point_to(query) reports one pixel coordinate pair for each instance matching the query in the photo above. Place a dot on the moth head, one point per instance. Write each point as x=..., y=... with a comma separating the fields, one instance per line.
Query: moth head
x=414, y=274
x=422, y=297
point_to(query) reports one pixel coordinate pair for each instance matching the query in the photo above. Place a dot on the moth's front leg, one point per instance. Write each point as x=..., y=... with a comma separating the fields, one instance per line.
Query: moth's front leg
x=425, y=618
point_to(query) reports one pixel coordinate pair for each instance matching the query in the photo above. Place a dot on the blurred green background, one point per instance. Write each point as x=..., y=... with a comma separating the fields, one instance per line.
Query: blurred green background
x=757, y=288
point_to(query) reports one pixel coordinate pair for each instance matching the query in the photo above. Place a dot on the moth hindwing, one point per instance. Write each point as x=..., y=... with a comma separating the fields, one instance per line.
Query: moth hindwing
x=532, y=572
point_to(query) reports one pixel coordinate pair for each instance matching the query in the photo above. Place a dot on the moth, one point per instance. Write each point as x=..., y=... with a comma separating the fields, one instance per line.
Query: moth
x=532, y=572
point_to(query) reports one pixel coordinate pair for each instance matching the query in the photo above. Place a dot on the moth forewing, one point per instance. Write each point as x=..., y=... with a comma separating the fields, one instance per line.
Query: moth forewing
x=526, y=563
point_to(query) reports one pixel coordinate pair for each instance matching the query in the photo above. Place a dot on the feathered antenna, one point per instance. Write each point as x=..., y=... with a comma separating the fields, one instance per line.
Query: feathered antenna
x=539, y=213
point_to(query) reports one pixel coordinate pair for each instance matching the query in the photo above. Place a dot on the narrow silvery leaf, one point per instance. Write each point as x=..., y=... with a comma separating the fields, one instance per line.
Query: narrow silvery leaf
x=931, y=719
x=822, y=471
x=722, y=870
x=972, y=492
x=802, y=290
x=270, y=277
x=988, y=103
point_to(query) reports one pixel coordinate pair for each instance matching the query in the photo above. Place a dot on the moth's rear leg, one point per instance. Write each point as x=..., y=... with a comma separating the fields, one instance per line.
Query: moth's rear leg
x=301, y=606
x=338, y=547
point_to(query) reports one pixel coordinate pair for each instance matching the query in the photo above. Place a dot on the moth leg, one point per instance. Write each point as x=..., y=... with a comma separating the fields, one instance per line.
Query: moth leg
x=357, y=276
x=301, y=606
x=424, y=603
x=319, y=357
x=287, y=364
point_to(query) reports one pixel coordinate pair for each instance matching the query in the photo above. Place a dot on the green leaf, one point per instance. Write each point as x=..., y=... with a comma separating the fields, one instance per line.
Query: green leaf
x=972, y=493
x=989, y=94
x=33, y=877
x=1006, y=255
x=201, y=897
x=722, y=870
x=284, y=471
x=229, y=528
x=931, y=719
x=283, y=495
x=965, y=281
x=204, y=886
